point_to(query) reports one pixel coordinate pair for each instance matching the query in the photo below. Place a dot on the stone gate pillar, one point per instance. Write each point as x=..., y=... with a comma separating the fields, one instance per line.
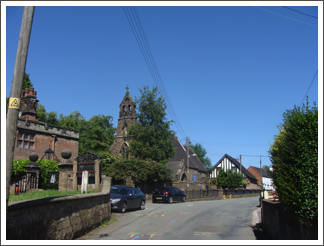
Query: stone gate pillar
x=34, y=167
x=66, y=171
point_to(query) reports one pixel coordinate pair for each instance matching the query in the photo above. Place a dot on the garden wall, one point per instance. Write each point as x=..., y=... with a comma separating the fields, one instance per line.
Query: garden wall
x=282, y=225
x=57, y=218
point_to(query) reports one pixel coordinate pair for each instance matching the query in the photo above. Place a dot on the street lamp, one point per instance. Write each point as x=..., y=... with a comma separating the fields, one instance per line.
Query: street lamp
x=49, y=155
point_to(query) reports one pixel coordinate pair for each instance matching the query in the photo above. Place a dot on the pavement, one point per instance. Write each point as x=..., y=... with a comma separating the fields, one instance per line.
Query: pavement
x=256, y=217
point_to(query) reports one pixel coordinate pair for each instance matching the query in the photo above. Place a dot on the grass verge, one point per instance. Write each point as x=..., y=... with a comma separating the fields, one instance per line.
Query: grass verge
x=43, y=194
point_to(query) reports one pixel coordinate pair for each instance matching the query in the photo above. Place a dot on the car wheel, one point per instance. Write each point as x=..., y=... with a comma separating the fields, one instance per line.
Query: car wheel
x=123, y=207
x=183, y=199
x=170, y=199
x=142, y=205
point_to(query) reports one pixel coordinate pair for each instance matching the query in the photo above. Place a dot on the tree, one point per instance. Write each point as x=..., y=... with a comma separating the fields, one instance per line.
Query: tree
x=99, y=134
x=230, y=179
x=26, y=81
x=294, y=157
x=49, y=118
x=141, y=171
x=201, y=153
x=152, y=138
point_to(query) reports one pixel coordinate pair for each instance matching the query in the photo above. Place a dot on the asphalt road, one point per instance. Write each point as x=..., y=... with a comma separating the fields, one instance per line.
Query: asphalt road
x=228, y=219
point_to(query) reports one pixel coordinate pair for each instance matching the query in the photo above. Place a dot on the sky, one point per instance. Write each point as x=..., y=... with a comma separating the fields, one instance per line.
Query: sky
x=228, y=73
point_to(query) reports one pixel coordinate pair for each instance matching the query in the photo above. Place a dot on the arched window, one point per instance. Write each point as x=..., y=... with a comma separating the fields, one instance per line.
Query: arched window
x=184, y=177
x=129, y=107
x=124, y=108
x=124, y=151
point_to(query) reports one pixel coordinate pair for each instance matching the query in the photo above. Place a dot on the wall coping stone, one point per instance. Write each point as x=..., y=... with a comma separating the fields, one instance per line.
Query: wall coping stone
x=41, y=201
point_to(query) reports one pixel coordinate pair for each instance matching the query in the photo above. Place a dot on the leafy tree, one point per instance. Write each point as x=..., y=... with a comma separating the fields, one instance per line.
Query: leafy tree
x=152, y=138
x=26, y=81
x=294, y=157
x=49, y=118
x=230, y=179
x=99, y=134
x=140, y=170
x=201, y=153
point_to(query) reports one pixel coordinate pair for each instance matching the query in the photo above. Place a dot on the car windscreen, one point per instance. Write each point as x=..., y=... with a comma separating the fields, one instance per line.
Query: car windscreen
x=118, y=190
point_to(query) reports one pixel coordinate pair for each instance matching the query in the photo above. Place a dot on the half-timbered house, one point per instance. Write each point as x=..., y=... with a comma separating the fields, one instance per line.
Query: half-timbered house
x=227, y=162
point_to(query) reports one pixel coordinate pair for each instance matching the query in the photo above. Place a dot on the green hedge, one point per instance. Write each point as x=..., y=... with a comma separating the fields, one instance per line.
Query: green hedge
x=294, y=156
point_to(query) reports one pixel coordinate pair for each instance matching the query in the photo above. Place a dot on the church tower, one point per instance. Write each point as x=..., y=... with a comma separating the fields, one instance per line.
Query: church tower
x=127, y=117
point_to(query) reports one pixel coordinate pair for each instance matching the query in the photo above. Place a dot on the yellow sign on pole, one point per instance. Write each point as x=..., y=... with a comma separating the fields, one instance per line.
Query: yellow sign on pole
x=14, y=102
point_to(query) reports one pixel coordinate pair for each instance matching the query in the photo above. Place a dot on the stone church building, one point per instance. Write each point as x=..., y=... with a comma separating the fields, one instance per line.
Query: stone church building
x=127, y=117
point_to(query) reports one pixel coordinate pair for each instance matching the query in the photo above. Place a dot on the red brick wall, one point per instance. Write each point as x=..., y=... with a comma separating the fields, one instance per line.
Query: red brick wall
x=255, y=173
x=42, y=142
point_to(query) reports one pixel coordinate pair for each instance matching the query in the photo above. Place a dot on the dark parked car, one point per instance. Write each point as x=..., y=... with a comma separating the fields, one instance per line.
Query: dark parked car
x=124, y=197
x=168, y=194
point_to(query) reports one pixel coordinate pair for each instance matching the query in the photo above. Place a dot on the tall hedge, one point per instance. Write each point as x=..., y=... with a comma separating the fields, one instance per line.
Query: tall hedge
x=294, y=156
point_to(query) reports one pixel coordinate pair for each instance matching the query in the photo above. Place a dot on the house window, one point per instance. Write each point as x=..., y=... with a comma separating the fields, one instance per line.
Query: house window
x=25, y=140
x=234, y=169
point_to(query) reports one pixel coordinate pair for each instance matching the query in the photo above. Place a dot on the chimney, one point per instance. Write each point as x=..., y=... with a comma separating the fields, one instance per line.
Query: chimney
x=28, y=104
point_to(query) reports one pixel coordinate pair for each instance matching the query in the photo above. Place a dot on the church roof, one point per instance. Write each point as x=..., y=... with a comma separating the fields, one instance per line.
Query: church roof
x=181, y=154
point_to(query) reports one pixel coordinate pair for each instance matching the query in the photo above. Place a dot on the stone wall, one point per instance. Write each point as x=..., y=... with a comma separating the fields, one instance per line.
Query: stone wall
x=57, y=218
x=282, y=225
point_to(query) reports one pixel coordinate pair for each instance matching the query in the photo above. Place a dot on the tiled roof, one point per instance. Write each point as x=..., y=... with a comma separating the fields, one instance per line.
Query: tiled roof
x=237, y=164
x=181, y=154
x=262, y=171
x=174, y=166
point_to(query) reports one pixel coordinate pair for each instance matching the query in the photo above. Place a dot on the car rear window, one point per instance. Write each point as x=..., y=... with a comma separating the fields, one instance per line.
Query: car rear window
x=162, y=189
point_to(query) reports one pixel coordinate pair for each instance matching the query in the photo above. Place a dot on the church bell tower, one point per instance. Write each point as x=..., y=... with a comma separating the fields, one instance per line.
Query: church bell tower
x=127, y=117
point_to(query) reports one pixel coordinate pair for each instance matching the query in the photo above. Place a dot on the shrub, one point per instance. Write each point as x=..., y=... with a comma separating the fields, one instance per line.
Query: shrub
x=44, y=176
x=294, y=156
x=230, y=179
x=19, y=166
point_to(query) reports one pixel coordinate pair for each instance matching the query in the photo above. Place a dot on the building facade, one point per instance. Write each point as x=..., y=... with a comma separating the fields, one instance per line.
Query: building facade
x=35, y=136
x=227, y=162
x=259, y=173
x=127, y=117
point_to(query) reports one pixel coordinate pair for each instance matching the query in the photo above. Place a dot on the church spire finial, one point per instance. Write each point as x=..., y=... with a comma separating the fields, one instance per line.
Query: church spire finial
x=127, y=88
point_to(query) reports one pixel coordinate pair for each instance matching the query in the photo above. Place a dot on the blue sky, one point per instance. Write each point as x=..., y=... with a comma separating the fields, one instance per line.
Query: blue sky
x=229, y=72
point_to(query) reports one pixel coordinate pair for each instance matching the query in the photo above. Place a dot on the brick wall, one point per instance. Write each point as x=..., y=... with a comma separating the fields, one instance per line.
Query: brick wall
x=255, y=173
x=65, y=139
x=57, y=218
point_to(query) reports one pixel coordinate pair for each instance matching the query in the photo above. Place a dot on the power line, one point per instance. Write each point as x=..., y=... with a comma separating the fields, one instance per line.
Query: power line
x=284, y=16
x=300, y=12
x=141, y=39
x=308, y=88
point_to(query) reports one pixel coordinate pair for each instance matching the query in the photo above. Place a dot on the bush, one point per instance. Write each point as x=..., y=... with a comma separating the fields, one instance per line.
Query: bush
x=294, y=156
x=19, y=166
x=230, y=179
x=44, y=176
x=140, y=170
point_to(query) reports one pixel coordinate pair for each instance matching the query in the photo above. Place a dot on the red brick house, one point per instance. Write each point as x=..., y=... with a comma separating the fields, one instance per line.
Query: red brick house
x=35, y=136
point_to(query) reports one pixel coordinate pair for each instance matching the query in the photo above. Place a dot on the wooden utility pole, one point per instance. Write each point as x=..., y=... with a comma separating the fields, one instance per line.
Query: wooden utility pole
x=240, y=163
x=16, y=87
x=188, y=162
